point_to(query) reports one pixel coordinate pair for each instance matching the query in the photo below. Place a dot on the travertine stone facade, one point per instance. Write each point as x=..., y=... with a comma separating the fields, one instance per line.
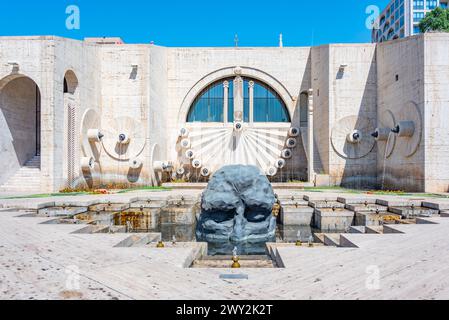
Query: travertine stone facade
x=145, y=93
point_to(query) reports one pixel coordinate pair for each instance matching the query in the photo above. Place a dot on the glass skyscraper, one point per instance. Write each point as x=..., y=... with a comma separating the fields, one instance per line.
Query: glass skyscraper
x=401, y=18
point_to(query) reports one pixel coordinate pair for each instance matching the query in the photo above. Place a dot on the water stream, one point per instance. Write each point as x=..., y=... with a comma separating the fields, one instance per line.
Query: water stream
x=385, y=159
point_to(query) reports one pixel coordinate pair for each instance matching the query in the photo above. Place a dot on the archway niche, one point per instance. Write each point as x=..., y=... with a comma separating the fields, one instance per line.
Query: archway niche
x=20, y=124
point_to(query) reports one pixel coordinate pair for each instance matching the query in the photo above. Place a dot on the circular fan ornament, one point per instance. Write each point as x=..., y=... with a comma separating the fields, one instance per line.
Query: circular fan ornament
x=215, y=146
x=272, y=171
x=294, y=132
x=351, y=137
x=286, y=154
x=163, y=166
x=190, y=154
x=291, y=143
x=280, y=164
x=196, y=163
x=180, y=171
x=205, y=172
x=238, y=126
x=184, y=132
x=124, y=138
x=90, y=125
x=185, y=143
x=383, y=133
x=135, y=163
x=409, y=127
x=87, y=163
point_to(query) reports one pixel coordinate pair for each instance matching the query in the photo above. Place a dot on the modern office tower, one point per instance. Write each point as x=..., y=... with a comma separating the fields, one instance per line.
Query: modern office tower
x=401, y=18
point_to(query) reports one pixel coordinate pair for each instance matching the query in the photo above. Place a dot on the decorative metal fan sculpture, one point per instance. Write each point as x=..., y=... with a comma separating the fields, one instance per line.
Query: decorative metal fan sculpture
x=207, y=149
x=351, y=137
x=409, y=120
x=387, y=122
x=89, y=122
x=124, y=138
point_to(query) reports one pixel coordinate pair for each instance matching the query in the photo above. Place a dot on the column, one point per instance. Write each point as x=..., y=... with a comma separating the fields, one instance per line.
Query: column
x=238, y=99
x=251, y=102
x=310, y=136
x=226, y=101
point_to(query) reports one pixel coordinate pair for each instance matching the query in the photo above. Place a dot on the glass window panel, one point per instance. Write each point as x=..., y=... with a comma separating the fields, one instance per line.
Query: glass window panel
x=246, y=100
x=208, y=106
x=268, y=105
x=231, y=101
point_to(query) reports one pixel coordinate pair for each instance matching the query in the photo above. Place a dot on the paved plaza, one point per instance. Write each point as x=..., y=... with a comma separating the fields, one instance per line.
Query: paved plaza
x=50, y=261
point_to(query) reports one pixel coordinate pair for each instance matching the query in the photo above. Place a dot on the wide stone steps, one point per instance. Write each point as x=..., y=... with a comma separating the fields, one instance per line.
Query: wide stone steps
x=26, y=179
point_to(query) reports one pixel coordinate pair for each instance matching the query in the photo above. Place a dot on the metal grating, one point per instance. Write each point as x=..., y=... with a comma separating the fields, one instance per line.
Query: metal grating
x=71, y=143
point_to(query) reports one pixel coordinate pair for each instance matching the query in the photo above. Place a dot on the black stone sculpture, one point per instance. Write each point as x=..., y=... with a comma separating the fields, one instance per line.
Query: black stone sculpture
x=237, y=207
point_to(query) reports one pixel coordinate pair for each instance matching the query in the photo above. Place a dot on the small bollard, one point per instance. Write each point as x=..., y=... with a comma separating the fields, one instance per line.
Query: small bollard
x=298, y=242
x=311, y=242
x=235, y=259
x=235, y=264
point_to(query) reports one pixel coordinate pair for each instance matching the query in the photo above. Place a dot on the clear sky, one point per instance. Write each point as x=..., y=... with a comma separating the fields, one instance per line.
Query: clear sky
x=195, y=22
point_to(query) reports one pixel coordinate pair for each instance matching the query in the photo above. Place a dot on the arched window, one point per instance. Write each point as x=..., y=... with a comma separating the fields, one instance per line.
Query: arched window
x=258, y=102
x=70, y=82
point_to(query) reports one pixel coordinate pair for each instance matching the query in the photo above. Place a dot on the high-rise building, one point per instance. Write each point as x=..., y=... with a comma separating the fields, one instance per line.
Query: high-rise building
x=401, y=18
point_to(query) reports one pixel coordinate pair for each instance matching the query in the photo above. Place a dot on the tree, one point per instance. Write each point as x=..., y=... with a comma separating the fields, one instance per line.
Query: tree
x=436, y=20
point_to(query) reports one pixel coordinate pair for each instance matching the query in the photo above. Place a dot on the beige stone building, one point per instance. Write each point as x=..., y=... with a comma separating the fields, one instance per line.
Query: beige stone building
x=101, y=112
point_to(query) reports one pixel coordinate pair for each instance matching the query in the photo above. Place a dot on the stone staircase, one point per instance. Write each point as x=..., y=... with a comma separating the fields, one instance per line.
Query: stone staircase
x=26, y=179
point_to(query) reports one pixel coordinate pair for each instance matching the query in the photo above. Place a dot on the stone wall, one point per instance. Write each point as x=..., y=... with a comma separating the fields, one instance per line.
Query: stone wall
x=353, y=97
x=436, y=113
x=124, y=105
x=400, y=82
x=82, y=61
x=159, y=117
x=321, y=130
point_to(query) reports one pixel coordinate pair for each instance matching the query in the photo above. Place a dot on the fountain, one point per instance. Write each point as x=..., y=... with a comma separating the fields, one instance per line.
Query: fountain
x=235, y=259
x=237, y=210
x=298, y=241
x=311, y=241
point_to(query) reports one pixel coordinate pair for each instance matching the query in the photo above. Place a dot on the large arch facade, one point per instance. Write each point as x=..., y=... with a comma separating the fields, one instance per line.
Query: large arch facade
x=239, y=137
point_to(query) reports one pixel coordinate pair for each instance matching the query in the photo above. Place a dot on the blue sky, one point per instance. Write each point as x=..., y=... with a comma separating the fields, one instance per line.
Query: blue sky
x=196, y=22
